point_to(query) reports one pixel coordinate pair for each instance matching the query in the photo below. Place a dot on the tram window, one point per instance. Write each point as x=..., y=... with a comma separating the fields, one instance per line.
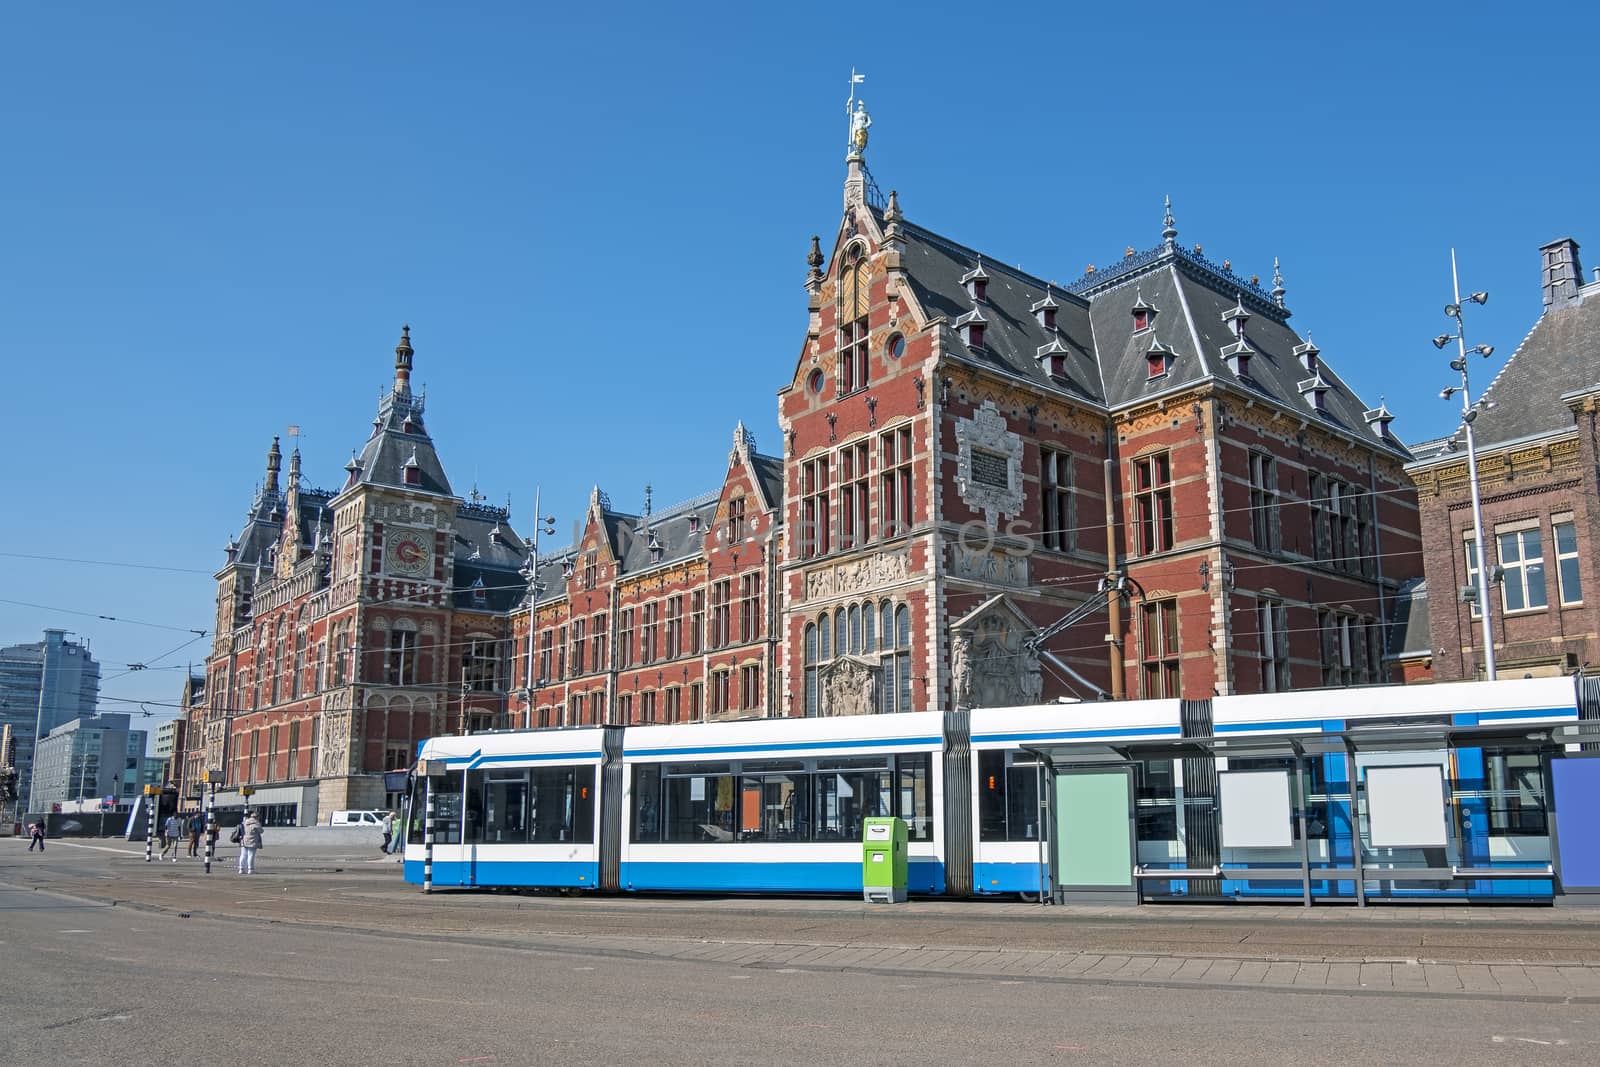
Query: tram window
x=699, y=808
x=1008, y=797
x=1514, y=790
x=561, y=805
x=774, y=807
x=505, y=807
x=914, y=803
x=1155, y=794
x=846, y=797
x=419, y=787
x=447, y=809
x=646, y=803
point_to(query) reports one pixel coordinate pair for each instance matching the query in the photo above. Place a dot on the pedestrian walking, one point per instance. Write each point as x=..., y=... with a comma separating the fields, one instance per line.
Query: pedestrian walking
x=169, y=836
x=36, y=835
x=197, y=826
x=388, y=832
x=250, y=840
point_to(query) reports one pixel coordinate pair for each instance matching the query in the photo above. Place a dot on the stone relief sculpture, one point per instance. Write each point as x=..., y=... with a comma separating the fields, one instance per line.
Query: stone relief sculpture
x=991, y=664
x=849, y=687
x=986, y=433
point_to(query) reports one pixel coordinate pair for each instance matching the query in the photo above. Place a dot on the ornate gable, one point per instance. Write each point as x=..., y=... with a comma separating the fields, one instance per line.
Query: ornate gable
x=990, y=663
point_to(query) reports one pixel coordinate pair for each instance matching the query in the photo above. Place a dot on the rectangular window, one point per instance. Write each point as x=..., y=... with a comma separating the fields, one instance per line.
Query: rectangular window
x=721, y=691
x=546, y=652
x=697, y=621
x=1008, y=796
x=1273, y=629
x=697, y=702
x=1159, y=649
x=750, y=697
x=854, y=476
x=402, y=665
x=1055, y=490
x=483, y=665
x=1318, y=486
x=736, y=520
x=561, y=652
x=1152, y=480
x=674, y=626
x=750, y=607
x=1522, y=569
x=1264, y=502
x=1567, y=562
x=853, y=356
x=647, y=706
x=590, y=567
x=574, y=710
x=597, y=707
x=625, y=709
x=597, y=643
x=721, y=620
x=625, y=639
x=814, y=517
x=647, y=633
x=675, y=704
x=894, y=483
x=1469, y=549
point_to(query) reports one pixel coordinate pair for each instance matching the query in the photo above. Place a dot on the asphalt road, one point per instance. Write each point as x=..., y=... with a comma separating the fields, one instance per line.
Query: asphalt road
x=362, y=970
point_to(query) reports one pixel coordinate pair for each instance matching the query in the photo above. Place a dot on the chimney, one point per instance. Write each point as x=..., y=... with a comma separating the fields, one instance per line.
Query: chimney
x=1563, y=273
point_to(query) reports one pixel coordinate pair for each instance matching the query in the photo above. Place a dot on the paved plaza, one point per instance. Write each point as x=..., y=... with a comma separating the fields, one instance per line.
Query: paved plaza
x=327, y=957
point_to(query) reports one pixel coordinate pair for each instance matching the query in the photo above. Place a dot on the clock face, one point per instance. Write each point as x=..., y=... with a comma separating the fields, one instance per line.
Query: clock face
x=410, y=554
x=347, y=553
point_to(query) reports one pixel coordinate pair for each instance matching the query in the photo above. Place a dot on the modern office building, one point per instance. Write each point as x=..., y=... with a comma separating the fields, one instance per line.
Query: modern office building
x=43, y=685
x=95, y=756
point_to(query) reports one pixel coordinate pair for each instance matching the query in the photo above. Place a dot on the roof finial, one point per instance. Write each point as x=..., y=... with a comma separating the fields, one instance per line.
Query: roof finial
x=402, y=362
x=1169, y=232
x=1277, y=283
x=648, y=490
x=274, y=462
x=814, y=262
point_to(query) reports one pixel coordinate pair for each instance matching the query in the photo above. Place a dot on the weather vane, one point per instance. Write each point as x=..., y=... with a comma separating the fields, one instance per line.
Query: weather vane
x=855, y=112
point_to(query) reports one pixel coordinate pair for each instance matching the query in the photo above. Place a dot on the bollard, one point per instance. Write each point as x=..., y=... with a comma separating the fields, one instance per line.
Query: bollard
x=211, y=825
x=427, y=841
x=149, y=826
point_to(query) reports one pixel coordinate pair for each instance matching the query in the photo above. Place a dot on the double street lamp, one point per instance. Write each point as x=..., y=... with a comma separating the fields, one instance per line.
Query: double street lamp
x=1469, y=415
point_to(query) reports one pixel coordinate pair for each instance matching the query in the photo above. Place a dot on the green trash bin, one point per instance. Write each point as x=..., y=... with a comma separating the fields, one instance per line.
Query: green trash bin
x=883, y=861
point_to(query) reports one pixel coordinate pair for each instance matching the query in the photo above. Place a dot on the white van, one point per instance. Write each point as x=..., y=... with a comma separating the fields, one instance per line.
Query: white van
x=356, y=818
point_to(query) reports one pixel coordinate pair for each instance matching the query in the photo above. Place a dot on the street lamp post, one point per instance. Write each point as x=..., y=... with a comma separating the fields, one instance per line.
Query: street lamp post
x=545, y=524
x=1469, y=415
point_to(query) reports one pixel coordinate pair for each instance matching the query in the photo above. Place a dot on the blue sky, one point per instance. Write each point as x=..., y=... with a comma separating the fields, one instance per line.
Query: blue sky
x=595, y=219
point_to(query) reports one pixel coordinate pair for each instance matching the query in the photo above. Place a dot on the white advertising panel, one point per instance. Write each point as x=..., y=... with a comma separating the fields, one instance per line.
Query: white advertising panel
x=1255, y=809
x=1405, y=807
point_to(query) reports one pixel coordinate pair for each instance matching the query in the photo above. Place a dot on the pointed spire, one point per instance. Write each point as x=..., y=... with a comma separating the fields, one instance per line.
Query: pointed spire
x=891, y=214
x=1169, y=230
x=294, y=468
x=402, y=362
x=648, y=491
x=1277, y=283
x=274, y=462
x=814, y=261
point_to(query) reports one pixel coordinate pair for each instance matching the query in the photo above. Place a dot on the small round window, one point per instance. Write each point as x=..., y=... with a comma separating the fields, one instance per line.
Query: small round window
x=815, y=382
x=897, y=346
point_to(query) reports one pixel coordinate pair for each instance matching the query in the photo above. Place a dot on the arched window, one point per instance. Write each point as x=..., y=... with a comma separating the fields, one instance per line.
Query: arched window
x=841, y=633
x=855, y=629
x=894, y=688
x=811, y=670
x=824, y=652
x=854, y=301
x=868, y=628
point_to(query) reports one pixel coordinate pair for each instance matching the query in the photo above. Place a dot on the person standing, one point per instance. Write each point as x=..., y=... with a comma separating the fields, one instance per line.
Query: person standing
x=249, y=843
x=197, y=826
x=388, y=832
x=169, y=836
x=36, y=835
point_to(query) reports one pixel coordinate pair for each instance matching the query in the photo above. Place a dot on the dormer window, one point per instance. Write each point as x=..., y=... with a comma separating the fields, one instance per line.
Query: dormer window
x=413, y=470
x=1144, y=316
x=1307, y=355
x=1315, y=391
x=655, y=548
x=567, y=569
x=694, y=523
x=1237, y=356
x=976, y=282
x=1378, y=420
x=1053, y=358
x=480, y=595
x=1044, y=312
x=1159, y=357
x=1235, y=317
x=970, y=326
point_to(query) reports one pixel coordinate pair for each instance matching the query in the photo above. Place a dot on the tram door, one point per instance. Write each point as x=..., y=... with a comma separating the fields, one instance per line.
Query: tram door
x=1094, y=838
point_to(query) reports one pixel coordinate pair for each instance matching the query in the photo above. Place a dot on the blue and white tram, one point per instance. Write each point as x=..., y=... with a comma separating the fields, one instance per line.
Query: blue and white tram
x=514, y=809
x=777, y=805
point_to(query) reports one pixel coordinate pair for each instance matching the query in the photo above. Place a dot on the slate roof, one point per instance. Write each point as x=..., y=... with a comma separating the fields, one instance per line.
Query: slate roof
x=1107, y=364
x=1408, y=628
x=384, y=457
x=1560, y=354
x=487, y=550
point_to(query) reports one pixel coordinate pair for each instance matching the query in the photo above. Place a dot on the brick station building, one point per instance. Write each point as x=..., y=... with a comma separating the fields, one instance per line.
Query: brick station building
x=967, y=453
x=1538, y=469
x=950, y=433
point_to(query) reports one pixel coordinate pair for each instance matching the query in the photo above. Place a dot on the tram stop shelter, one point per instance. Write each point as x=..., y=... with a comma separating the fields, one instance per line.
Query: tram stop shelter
x=1435, y=811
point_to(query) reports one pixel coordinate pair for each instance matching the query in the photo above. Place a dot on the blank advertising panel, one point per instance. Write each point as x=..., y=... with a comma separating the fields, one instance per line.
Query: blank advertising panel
x=1255, y=809
x=1405, y=807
